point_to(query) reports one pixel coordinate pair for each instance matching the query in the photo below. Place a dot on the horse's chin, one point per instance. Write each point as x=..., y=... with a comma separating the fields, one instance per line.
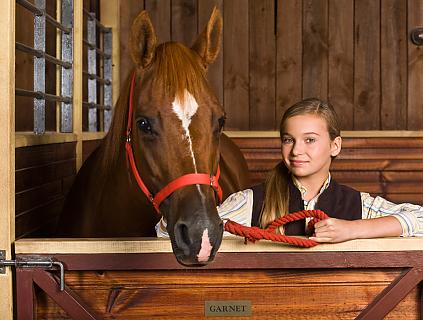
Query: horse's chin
x=192, y=261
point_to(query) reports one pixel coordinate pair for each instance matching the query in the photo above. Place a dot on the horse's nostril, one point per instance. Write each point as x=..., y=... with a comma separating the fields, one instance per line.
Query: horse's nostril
x=183, y=229
x=182, y=238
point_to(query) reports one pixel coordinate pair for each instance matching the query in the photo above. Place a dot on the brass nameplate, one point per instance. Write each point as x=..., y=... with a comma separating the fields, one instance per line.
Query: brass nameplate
x=225, y=308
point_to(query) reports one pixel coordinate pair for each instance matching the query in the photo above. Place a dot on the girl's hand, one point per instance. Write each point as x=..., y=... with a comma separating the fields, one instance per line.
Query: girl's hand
x=333, y=230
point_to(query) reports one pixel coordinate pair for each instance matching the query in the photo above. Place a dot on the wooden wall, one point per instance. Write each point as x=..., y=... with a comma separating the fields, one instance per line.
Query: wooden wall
x=354, y=53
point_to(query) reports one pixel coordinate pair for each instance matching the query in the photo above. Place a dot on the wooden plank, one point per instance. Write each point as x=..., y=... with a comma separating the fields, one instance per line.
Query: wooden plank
x=262, y=65
x=124, y=295
x=341, y=60
x=367, y=65
x=235, y=64
x=32, y=177
x=159, y=12
x=393, y=107
x=7, y=149
x=88, y=147
x=28, y=199
x=403, y=246
x=415, y=68
x=215, y=71
x=129, y=9
x=43, y=154
x=39, y=219
x=315, y=49
x=288, y=55
x=184, y=21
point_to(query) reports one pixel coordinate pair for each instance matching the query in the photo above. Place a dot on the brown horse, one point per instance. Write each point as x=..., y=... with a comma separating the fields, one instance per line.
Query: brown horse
x=167, y=124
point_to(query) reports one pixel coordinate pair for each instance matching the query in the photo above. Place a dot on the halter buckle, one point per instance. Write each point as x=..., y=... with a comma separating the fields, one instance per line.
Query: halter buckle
x=128, y=137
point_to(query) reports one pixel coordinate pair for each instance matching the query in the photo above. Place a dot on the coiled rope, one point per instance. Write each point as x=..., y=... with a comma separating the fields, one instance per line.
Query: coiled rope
x=253, y=234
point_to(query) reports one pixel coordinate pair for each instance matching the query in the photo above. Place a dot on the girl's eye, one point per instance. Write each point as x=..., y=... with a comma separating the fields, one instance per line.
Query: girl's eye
x=145, y=126
x=287, y=140
x=310, y=140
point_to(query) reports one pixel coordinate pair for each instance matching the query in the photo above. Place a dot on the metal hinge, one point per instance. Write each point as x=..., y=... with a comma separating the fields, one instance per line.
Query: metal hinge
x=33, y=261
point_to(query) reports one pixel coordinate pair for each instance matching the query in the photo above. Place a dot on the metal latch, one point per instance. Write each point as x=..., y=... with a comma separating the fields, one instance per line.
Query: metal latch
x=32, y=261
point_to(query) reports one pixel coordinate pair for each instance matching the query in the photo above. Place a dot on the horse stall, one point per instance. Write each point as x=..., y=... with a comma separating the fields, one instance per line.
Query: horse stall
x=62, y=66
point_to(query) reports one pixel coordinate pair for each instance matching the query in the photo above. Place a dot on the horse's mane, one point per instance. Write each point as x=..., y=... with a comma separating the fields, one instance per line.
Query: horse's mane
x=175, y=69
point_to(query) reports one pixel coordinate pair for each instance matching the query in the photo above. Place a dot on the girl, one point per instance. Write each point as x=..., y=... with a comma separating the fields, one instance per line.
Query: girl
x=310, y=137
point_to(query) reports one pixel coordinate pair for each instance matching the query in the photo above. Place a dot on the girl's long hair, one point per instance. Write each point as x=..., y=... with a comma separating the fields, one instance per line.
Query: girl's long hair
x=276, y=201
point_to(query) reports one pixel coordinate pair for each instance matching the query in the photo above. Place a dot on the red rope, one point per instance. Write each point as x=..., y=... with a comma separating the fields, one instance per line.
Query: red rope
x=254, y=233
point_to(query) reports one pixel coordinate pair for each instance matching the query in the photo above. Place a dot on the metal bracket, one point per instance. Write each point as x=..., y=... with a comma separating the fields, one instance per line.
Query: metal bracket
x=33, y=261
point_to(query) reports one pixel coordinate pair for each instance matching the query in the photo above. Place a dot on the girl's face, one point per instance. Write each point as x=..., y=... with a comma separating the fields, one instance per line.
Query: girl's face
x=307, y=148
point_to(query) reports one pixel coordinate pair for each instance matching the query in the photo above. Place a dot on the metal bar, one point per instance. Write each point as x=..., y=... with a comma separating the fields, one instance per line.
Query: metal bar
x=30, y=7
x=66, y=108
x=97, y=50
x=392, y=295
x=107, y=74
x=42, y=95
x=92, y=69
x=96, y=77
x=40, y=54
x=67, y=300
x=24, y=294
x=91, y=16
x=39, y=12
x=57, y=24
x=97, y=106
x=39, y=68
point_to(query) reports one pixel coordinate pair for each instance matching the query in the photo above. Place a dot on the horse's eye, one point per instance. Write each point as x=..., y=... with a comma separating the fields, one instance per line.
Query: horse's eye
x=221, y=123
x=145, y=126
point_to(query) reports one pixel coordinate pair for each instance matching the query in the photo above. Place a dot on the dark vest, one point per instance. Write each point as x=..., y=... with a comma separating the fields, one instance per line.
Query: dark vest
x=337, y=201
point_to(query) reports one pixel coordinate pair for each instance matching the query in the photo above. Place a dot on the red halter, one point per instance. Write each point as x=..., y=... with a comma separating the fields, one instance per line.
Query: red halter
x=185, y=180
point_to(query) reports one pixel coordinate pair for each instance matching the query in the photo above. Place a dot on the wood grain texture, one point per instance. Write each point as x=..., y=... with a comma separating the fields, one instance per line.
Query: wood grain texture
x=341, y=60
x=393, y=105
x=367, y=65
x=315, y=49
x=160, y=14
x=415, y=68
x=215, y=70
x=136, y=295
x=262, y=64
x=288, y=56
x=184, y=21
x=236, y=65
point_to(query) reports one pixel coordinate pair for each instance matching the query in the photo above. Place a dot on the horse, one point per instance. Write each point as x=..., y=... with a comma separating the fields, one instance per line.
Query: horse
x=163, y=152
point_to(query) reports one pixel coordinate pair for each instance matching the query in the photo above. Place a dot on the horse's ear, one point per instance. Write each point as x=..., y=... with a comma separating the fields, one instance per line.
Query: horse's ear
x=208, y=43
x=143, y=40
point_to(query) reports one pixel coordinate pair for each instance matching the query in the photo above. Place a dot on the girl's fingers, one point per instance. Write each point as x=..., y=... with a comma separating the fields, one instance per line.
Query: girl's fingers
x=321, y=239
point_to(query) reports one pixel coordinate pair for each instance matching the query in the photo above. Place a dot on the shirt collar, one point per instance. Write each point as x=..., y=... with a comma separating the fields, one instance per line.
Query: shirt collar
x=303, y=190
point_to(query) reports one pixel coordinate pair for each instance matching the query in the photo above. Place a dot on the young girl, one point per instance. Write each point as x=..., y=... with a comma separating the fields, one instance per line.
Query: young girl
x=310, y=137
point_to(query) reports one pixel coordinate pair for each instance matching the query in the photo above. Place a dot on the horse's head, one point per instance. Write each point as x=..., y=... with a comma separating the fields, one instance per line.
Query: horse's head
x=175, y=129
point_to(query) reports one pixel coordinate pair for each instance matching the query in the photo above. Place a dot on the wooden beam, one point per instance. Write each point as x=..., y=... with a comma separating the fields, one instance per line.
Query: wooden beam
x=7, y=148
x=78, y=35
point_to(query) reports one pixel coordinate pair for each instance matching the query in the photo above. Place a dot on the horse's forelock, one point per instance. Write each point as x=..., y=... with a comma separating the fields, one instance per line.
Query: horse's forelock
x=178, y=69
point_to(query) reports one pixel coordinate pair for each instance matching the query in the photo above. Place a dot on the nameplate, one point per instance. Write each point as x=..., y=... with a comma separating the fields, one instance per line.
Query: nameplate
x=225, y=308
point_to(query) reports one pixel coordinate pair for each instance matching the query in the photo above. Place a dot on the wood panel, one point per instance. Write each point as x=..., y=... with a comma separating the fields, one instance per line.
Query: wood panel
x=43, y=176
x=160, y=14
x=184, y=21
x=341, y=60
x=143, y=295
x=315, y=49
x=215, y=71
x=367, y=65
x=262, y=64
x=288, y=55
x=393, y=65
x=235, y=65
x=356, y=54
x=415, y=68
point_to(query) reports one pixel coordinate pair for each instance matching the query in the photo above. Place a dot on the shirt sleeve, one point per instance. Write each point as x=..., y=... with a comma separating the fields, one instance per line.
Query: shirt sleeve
x=237, y=207
x=410, y=216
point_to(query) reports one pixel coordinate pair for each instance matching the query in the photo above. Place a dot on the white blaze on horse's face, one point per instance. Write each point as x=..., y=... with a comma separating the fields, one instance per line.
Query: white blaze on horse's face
x=185, y=110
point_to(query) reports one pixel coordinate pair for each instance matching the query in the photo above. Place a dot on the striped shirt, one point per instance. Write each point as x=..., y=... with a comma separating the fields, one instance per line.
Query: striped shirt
x=238, y=207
